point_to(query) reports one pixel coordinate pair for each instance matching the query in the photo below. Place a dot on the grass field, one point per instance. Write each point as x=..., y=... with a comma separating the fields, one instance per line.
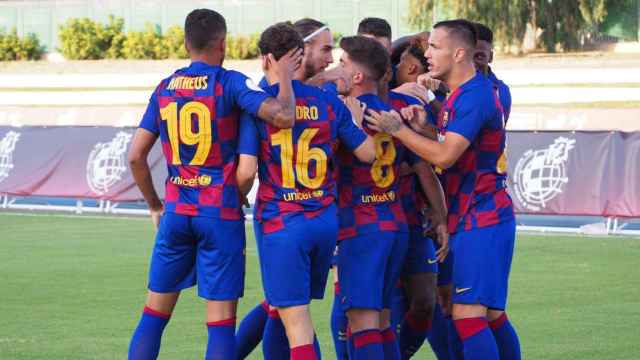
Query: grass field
x=73, y=288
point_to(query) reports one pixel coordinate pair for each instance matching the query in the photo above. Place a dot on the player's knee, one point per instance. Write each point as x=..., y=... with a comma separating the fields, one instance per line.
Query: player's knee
x=423, y=307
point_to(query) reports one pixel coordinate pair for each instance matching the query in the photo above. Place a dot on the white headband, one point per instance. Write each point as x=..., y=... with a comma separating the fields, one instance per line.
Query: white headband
x=313, y=34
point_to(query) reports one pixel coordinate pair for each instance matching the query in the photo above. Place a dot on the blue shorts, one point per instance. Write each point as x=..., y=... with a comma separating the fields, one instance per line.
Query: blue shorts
x=295, y=262
x=203, y=250
x=421, y=254
x=369, y=267
x=482, y=264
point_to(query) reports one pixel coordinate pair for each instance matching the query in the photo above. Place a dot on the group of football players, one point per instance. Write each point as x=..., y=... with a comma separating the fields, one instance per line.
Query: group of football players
x=389, y=168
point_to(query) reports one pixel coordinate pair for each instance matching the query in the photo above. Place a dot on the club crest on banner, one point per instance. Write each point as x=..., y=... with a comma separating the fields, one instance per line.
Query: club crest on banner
x=7, y=146
x=540, y=175
x=107, y=163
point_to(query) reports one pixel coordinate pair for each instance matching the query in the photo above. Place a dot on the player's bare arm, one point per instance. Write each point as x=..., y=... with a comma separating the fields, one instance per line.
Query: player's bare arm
x=246, y=172
x=442, y=154
x=141, y=146
x=332, y=75
x=281, y=111
x=435, y=195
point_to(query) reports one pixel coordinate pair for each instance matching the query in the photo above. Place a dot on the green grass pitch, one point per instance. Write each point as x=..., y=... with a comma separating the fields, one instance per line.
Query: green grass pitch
x=73, y=288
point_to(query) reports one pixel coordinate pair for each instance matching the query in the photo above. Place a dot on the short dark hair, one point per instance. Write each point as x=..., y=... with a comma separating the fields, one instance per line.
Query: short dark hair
x=374, y=26
x=307, y=26
x=461, y=29
x=417, y=52
x=367, y=52
x=202, y=26
x=278, y=39
x=484, y=33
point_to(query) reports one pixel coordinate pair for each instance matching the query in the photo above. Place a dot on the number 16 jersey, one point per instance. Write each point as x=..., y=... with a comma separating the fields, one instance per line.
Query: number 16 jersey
x=296, y=166
x=195, y=112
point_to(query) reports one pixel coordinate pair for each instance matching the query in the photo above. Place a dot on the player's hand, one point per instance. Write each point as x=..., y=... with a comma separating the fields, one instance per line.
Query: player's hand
x=428, y=82
x=156, y=214
x=442, y=237
x=288, y=63
x=415, y=90
x=384, y=121
x=357, y=109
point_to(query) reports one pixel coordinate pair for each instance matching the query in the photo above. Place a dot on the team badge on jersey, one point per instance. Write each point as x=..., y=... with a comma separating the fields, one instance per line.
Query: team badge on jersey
x=106, y=163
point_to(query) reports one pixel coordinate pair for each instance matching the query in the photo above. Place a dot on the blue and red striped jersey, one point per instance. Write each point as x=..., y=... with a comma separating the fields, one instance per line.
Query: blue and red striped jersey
x=504, y=94
x=195, y=112
x=412, y=199
x=368, y=193
x=475, y=186
x=296, y=166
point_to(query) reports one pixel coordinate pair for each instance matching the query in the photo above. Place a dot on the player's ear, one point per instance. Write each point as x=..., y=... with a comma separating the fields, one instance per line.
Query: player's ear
x=358, y=78
x=223, y=45
x=265, y=62
x=491, y=56
x=413, y=69
x=460, y=54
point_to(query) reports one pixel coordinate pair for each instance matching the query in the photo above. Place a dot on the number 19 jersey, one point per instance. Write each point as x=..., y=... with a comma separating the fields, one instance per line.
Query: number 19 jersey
x=368, y=196
x=296, y=166
x=195, y=112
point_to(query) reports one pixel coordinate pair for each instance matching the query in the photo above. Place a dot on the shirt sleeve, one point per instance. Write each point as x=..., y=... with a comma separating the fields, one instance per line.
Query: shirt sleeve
x=151, y=116
x=468, y=117
x=348, y=133
x=246, y=94
x=248, y=139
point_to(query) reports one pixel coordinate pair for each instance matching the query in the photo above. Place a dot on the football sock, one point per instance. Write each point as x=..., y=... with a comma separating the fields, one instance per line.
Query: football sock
x=222, y=340
x=145, y=343
x=339, y=326
x=367, y=345
x=437, y=335
x=390, y=345
x=304, y=352
x=413, y=331
x=275, y=345
x=250, y=331
x=506, y=338
x=478, y=342
x=455, y=345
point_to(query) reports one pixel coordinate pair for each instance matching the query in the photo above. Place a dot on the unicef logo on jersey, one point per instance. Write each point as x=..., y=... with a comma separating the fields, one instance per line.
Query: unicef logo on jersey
x=540, y=175
x=106, y=163
x=7, y=145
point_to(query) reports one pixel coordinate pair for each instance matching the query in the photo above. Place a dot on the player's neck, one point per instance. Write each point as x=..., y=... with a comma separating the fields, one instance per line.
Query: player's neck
x=363, y=89
x=460, y=75
x=300, y=74
x=271, y=77
x=213, y=60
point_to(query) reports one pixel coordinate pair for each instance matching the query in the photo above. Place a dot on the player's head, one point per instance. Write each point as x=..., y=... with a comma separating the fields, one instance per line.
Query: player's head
x=318, y=44
x=364, y=60
x=412, y=63
x=278, y=39
x=484, y=47
x=204, y=33
x=378, y=29
x=452, y=45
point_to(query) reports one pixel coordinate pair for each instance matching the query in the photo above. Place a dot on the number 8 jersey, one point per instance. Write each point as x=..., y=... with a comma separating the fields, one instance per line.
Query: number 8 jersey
x=368, y=193
x=296, y=166
x=195, y=112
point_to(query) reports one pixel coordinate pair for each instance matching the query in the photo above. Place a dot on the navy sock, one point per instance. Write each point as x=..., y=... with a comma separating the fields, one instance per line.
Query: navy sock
x=506, y=338
x=437, y=335
x=367, y=345
x=455, y=344
x=412, y=334
x=222, y=340
x=316, y=347
x=145, y=342
x=339, y=326
x=477, y=340
x=390, y=344
x=275, y=345
x=250, y=331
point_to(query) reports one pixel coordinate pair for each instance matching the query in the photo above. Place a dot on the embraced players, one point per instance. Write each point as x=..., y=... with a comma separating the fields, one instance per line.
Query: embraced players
x=471, y=131
x=200, y=237
x=295, y=218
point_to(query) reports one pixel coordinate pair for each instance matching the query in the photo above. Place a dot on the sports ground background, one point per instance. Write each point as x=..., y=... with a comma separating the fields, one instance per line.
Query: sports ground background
x=72, y=286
